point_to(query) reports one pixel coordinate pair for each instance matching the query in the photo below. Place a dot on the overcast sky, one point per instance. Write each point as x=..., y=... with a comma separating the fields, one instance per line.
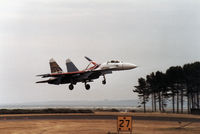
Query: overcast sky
x=153, y=34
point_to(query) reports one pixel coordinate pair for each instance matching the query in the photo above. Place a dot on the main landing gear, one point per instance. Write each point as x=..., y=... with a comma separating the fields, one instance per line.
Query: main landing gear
x=87, y=86
x=104, y=80
x=71, y=87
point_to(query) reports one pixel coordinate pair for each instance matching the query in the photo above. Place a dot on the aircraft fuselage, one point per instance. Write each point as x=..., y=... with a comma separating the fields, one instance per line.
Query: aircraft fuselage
x=74, y=76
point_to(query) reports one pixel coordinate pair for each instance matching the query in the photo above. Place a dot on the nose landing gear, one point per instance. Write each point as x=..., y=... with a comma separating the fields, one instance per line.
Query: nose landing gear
x=104, y=80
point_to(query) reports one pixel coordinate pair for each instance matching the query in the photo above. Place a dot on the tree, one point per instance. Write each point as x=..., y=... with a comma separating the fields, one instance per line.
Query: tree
x=141, y=89
x=175, y=78
x=151, y=85
x=176, y=83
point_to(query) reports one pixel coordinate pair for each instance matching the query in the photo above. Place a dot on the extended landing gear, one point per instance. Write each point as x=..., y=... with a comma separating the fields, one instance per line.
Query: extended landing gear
x=104, y=80
x=71, y=87
x=87, y=86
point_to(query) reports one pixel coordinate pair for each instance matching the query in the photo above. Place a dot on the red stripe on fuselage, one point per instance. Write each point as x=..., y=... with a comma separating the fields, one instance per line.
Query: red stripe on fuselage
x=78, y=72
x=68, y=73
x=89, y=69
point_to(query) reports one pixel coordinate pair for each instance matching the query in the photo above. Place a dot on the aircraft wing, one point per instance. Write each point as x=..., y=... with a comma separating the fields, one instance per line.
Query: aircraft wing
x=61, y=74
x=67, y=74
x=79, y=76
x=82, y=74
x=94, y=74
x=103, y=71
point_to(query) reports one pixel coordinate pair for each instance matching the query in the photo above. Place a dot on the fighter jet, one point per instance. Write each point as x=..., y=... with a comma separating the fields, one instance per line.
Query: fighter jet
x=73, y=75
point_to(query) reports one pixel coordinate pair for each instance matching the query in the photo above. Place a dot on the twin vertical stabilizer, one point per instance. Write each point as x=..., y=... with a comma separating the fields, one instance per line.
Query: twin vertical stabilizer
x=70, y=66
x=55, y=68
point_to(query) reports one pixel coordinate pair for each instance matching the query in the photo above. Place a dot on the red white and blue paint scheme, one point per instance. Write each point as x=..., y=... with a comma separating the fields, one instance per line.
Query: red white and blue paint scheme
x=73, y=75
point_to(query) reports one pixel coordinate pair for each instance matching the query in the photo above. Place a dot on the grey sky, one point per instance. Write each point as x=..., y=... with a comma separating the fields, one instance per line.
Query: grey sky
x=152, y=34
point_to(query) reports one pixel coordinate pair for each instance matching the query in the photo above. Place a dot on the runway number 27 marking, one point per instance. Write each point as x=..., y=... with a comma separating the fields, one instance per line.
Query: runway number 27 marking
x=124, y=123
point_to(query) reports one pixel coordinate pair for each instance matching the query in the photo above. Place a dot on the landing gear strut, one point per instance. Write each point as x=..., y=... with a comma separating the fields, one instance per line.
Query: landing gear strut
x=104, y=80
x=71, y=87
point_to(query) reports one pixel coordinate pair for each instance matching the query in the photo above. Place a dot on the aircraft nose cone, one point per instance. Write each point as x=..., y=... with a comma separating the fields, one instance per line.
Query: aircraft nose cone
x=129, y=66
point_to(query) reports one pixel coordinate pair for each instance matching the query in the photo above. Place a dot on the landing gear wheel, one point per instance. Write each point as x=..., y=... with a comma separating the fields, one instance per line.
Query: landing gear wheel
x=71, y=87
x=87, y=86
x=104, y=82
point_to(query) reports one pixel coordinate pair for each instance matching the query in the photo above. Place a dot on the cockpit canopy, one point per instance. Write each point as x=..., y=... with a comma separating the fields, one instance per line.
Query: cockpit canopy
x=113, y=61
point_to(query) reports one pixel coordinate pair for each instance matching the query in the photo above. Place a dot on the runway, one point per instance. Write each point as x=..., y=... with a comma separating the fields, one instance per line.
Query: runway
x=92, y=117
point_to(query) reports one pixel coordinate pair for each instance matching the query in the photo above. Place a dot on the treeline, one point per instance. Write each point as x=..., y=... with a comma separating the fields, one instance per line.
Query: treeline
x=179, y=86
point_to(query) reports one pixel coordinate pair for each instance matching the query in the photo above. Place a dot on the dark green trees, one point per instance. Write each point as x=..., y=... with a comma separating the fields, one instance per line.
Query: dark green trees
x=192, y=78
x=178, y=85
x=142, y=91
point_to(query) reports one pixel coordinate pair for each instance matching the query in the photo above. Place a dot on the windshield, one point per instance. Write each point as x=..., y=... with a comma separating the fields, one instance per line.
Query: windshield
x=114, y=61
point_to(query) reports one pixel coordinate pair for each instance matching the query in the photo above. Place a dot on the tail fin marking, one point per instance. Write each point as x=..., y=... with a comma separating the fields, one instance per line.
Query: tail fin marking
x=55, y=68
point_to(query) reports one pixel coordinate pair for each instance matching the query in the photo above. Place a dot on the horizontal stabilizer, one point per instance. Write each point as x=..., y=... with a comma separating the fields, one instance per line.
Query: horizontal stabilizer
x=70, y=66
x=45, y=81
x=48, y=81
x=43, y=75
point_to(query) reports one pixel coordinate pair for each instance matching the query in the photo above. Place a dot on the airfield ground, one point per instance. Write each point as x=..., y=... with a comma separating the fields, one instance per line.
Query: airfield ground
x=106, y=125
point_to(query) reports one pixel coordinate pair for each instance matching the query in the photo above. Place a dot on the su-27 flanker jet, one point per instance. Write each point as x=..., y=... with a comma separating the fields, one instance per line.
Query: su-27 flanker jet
x=73, y=75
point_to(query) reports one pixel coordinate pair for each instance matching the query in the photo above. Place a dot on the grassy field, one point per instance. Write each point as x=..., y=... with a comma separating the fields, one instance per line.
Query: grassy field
x=98, y=126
